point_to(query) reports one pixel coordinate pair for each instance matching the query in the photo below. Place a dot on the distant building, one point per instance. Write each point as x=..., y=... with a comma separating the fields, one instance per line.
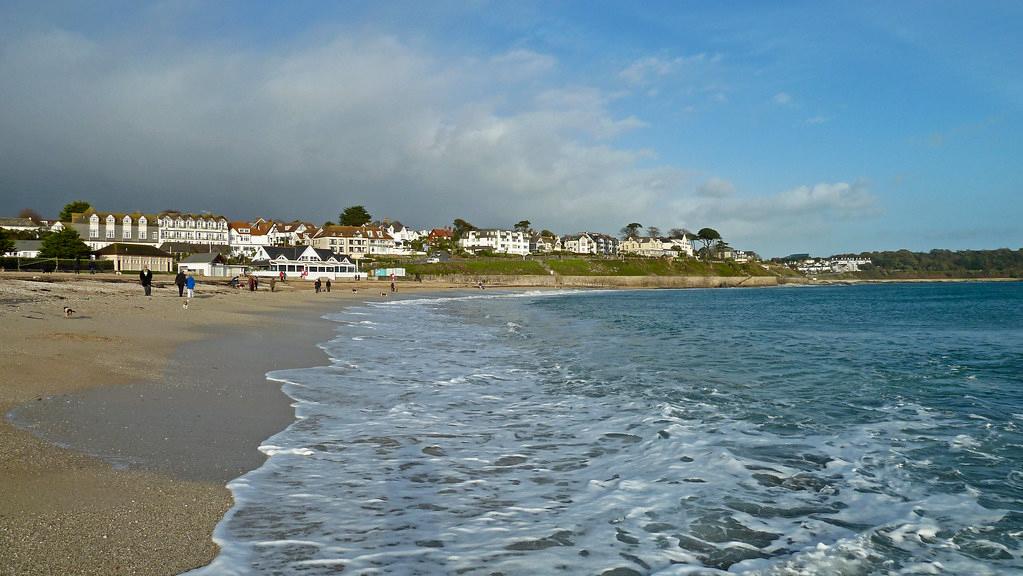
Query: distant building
x=441, y=234
x=355, y=241
x=192, y=228
x=26, y=249
x=658, y=247
x=304, y=262
x=591, y=243
x=133, y=257
x=496, y=241
x=210, y=264
x=19, y=224
x=542, y=244
x=100, y=229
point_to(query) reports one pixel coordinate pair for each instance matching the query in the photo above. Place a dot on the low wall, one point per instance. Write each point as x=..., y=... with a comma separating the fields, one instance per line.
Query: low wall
x=556, y=281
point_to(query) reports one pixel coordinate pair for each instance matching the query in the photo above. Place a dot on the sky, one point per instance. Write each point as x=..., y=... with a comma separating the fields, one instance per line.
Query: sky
x=789, y=127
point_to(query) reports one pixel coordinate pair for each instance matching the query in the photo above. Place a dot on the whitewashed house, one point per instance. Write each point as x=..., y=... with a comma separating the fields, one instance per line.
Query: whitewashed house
x=657, y=247
x=591, y=243
x=496, y=241
x=579, y=244
x=355, y=241
x=294, y=233
x=205, y=229
x=101, y=229
x=209, y=264
x=402, y=235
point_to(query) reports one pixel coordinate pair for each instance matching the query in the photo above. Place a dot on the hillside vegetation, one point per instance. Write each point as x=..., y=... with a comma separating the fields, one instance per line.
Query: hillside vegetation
x=1001, y=263
x=581, y=266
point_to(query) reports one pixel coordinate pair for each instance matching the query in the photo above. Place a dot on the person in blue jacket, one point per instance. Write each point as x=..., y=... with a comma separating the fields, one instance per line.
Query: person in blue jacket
x=190, y=285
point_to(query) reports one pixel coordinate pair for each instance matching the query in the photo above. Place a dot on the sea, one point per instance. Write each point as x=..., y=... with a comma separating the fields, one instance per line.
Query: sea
x=842, y=430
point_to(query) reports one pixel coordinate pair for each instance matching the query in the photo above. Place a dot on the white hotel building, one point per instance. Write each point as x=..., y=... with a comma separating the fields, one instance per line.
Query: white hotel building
x=496, y=241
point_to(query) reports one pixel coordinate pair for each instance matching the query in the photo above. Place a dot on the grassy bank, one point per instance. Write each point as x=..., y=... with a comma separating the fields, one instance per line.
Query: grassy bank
x=583, y=266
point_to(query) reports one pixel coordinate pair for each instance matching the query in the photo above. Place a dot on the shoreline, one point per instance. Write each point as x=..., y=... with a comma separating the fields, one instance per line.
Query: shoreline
x=162, y=406
x=159, y=425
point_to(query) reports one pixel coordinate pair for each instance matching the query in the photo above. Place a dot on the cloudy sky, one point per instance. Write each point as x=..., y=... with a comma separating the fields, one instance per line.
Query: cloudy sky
x=820, y=127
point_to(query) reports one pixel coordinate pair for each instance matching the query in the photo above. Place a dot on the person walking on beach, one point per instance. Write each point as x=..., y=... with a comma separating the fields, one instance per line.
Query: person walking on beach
x=146, y=277
x=252, y=283
x=78, y=264
x=190, y=286
x=179, y=281
x=273, y=283
x=92, y=266
x=316, y=285
x=328, y=284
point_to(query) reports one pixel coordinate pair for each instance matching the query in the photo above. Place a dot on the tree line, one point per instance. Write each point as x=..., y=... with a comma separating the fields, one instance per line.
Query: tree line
x=1002, y=262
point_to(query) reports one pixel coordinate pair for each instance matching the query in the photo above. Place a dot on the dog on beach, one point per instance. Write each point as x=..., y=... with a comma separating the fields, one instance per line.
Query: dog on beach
x=185, y=304
x=354, y=290
x=68, y=312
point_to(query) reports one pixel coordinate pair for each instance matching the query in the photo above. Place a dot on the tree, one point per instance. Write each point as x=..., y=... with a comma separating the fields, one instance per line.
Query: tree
x=64, y=244
x=523, y=225
x=78, y=206
x=677, y=233
x=653, y=232
x=6, y=244
x=631, y=230
x=327, y=223
x=354, y=216
x=30, y=214
x=460, y=227
x=707, y=236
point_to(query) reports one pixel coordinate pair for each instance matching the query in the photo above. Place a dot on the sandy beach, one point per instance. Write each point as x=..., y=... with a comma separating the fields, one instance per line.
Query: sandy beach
x=133, y=413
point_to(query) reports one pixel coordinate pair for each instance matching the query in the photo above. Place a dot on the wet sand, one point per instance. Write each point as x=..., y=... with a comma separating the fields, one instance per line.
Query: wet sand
x=154, y=406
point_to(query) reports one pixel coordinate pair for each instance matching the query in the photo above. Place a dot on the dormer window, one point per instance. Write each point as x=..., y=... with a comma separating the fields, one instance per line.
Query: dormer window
x=94, y=226
x=142, y=228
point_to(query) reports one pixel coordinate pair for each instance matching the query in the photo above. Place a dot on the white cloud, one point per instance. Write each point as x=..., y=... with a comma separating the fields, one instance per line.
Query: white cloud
x=782, y=99
x=716, y=188
x=649, y=68
x=524, y=63
x=815, y=120
x=781, y=221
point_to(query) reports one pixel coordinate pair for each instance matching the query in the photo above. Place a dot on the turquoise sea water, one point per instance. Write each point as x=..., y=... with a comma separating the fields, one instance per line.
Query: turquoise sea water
x=839, y=430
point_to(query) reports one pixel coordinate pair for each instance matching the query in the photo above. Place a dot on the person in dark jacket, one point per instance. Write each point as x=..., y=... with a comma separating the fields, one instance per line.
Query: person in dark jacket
x=146, y=278
x=179, y=281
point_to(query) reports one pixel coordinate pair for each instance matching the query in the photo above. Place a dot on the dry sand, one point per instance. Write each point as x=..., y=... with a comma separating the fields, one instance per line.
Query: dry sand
x=175, y=396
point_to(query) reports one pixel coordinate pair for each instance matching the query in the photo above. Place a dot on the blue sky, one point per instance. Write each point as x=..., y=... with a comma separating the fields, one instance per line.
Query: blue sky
x=820, y=127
